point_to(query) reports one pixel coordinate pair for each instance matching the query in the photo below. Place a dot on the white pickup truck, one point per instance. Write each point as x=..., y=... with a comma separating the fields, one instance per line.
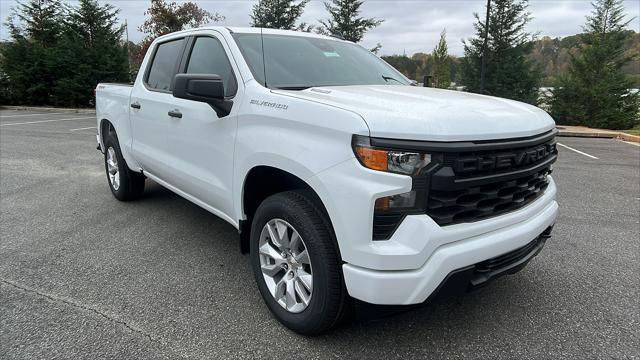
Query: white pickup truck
x=344, y=180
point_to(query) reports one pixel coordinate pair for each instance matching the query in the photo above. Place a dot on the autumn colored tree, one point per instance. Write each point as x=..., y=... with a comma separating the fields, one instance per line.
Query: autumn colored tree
x=164, y=18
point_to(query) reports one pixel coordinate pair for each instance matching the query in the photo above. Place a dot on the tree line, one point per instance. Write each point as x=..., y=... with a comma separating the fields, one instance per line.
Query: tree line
x=58, y=53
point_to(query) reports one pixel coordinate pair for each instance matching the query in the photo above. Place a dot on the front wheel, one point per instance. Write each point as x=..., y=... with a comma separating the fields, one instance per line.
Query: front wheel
x=295, y=263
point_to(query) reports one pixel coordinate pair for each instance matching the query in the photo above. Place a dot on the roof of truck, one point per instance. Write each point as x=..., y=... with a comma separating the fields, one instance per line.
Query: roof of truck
x=254, y=30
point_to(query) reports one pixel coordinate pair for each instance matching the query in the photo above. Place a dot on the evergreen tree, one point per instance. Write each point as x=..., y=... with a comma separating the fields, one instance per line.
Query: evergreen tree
x=509, y=72
x=441, y=63
x=594, y=90
x=91, y=50
x=345, y=20
x=27, y=62
x=279, y=14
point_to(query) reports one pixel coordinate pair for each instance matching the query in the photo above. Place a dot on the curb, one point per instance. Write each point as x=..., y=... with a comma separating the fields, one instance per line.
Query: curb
x=599, y=134
x=48, y=109
x=628, y=137
x=603, y=135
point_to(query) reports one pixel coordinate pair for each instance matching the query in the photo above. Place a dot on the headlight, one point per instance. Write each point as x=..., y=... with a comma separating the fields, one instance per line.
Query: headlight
x=399, y=162
x=389, y=211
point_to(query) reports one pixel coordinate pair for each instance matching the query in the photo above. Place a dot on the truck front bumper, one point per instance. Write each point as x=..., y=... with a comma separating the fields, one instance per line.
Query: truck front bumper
x=420, y=255
x=472, y=262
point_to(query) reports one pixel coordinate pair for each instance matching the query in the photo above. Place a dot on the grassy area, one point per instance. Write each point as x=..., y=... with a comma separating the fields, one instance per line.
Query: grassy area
x=634, y=131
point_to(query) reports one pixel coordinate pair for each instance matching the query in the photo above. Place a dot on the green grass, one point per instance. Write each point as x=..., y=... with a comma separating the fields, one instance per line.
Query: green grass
x=634, y=131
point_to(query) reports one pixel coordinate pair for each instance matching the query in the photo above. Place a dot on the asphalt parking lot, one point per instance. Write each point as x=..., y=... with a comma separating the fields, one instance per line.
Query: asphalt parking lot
x=85, y=276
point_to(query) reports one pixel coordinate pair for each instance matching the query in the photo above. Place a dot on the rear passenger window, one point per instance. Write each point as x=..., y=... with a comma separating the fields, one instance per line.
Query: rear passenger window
x=208, y=57
x=163, y=65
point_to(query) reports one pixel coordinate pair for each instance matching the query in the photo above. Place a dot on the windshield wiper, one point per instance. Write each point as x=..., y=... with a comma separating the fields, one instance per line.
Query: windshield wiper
x=292, y=87
x=387, y=78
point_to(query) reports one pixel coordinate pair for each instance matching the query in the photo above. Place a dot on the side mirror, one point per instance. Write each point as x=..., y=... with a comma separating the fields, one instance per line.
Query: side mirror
x=203, y=88
x=199, y=87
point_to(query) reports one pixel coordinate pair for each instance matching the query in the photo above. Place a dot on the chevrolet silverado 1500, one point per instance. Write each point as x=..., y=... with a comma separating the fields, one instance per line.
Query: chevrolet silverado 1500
x=344, y=180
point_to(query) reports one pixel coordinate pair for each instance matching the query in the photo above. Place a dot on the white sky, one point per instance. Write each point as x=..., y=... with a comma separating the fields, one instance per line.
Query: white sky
x=410, y=25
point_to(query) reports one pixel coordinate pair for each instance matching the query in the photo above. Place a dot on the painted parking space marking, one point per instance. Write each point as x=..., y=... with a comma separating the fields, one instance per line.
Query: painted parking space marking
x=578, y=151
x=46, y=121
x=21, y=115
x=84, y=128
x=630, y=143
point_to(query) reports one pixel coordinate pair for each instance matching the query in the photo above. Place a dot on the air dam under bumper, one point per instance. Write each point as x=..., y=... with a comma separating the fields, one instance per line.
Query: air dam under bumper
x=464, y=256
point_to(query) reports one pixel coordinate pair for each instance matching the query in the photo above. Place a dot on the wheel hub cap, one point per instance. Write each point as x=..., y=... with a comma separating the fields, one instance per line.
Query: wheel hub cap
x=113, y=170
x=285, y=265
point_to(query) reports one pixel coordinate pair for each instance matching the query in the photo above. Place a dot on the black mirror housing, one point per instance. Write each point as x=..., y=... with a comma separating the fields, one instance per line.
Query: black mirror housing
x=204, y=88
x=199, y=87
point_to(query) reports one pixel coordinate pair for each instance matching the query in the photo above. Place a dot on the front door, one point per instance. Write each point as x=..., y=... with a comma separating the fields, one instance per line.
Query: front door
x=200, y=143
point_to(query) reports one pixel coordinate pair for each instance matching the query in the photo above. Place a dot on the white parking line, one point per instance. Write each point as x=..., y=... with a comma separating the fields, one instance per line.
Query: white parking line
x=87, y=128
x=46, y=121
x=630, y=143
x=578, y=151
x=10, y=116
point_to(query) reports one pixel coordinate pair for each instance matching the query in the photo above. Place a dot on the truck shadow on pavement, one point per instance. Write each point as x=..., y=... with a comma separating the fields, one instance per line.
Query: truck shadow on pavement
x=442, y=311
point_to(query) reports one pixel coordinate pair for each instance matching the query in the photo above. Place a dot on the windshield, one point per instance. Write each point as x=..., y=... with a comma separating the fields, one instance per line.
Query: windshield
x=297, y=62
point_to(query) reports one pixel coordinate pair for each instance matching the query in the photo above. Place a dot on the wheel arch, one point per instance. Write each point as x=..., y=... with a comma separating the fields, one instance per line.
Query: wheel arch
x=263, y=181
x=108, y=127
x=105, y=127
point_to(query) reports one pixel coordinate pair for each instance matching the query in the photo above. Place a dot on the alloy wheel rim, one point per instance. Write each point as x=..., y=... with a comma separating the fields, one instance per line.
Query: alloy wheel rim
x=286, y=265
x=113, y=170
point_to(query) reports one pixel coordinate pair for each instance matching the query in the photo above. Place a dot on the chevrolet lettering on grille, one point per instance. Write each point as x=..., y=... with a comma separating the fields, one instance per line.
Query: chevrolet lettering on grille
x=505, y=160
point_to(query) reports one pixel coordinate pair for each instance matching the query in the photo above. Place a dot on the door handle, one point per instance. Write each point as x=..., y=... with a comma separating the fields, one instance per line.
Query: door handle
x=136, y=105
x=175, y=113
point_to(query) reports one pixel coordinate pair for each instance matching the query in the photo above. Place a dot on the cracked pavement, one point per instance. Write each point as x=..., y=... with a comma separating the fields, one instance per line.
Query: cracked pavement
x=85, y=276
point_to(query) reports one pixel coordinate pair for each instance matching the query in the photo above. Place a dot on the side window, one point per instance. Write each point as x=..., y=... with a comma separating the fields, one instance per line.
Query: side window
x=163, y=65
x=208, y=57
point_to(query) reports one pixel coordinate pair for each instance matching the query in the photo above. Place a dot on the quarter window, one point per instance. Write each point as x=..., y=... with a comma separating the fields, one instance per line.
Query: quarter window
x=164, y=65
x=208, y=57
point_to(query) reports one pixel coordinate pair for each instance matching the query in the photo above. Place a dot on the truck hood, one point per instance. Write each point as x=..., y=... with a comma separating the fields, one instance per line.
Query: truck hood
x=417, y=113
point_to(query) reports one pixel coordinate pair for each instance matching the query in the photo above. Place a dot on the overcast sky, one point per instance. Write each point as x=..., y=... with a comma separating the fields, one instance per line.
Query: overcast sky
x=409, y=26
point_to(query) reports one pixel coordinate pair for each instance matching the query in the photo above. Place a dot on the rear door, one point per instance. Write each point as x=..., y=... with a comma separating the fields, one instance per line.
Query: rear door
x=201, y=143
x=151, y=101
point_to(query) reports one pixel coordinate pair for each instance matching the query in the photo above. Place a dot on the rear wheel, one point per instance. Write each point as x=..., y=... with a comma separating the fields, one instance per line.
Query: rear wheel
x=125, y=184
x=295, y=263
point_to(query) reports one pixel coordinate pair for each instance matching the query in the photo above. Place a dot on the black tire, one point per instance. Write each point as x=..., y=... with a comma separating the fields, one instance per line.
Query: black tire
x=131, y=184
x=329, y=300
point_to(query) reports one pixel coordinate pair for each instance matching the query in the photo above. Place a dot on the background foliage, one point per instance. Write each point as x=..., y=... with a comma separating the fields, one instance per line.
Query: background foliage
x=57, y=53
x=594, y=90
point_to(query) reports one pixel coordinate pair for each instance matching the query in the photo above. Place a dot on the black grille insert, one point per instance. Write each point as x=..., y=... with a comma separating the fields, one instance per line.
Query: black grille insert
x=473, y=180
x=483, y=201
x=475, y=185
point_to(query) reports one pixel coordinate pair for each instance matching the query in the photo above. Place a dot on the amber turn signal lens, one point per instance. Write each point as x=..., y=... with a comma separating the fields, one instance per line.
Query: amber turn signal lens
x=373, y=158
x=382, y=204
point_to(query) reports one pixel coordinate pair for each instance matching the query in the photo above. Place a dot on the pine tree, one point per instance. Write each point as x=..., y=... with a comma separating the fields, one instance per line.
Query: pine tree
x=509, y=73
x=594, y=90
x=345, y=20
x=27, y=62
x=279, y=14
x=441, y=63
x=91, y=51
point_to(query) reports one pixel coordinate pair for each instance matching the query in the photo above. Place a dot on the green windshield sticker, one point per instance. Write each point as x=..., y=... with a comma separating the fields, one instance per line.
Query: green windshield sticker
x=331, y=54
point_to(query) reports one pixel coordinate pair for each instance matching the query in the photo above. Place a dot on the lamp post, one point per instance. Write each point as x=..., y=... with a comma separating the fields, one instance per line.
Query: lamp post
x=483, y=69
